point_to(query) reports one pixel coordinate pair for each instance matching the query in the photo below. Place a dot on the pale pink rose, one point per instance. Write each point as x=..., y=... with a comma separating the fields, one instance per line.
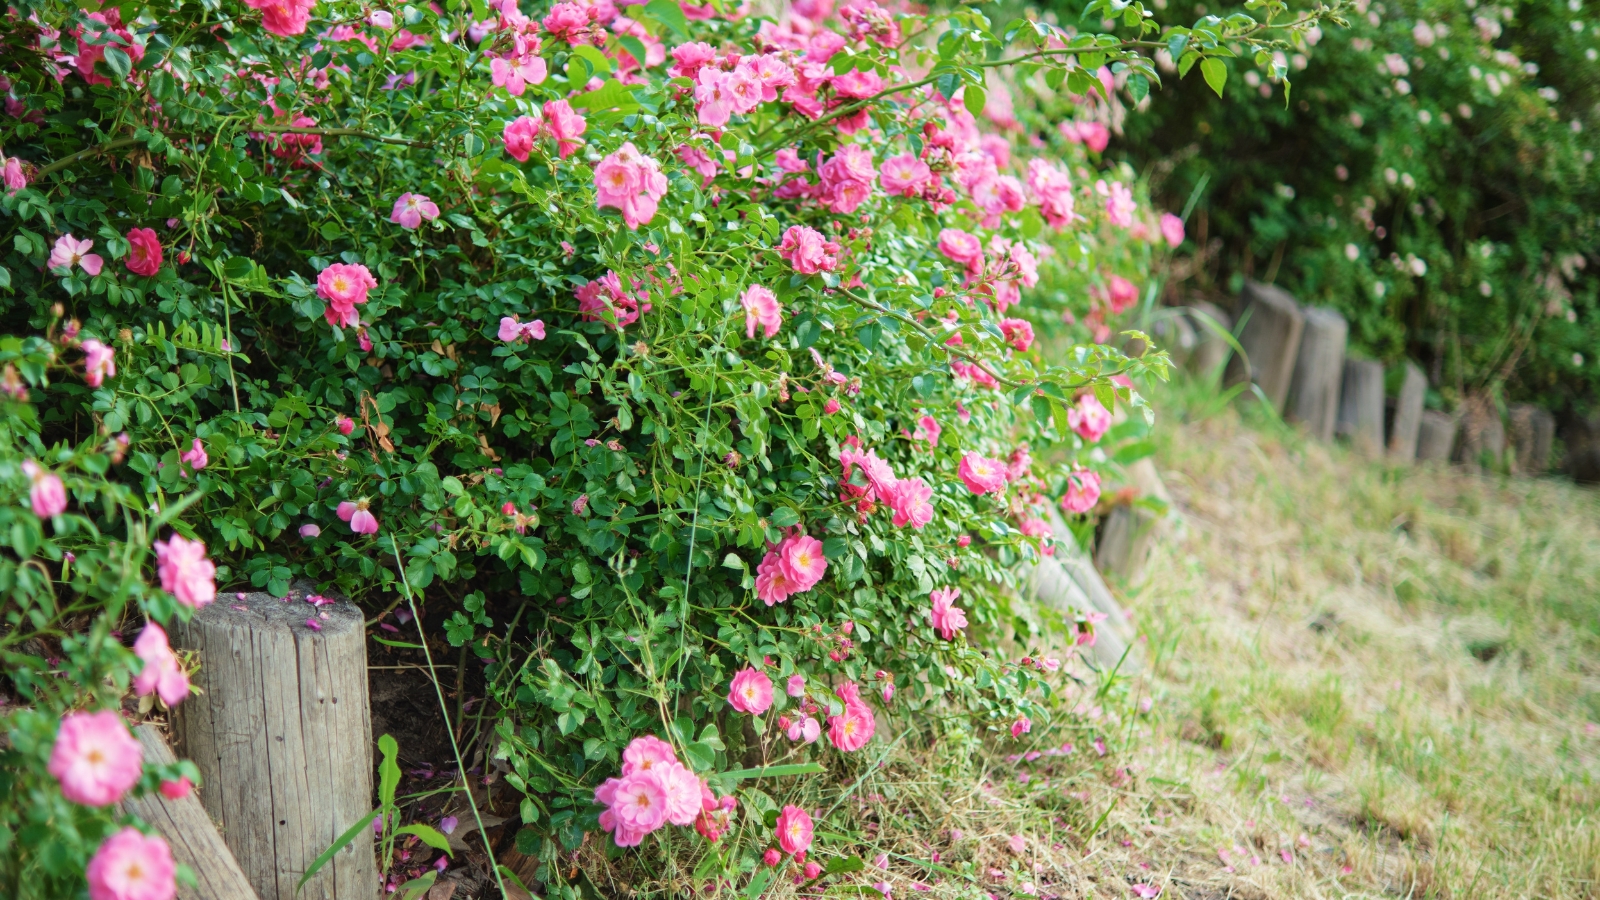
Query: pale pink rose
x=646, y=751
x=567, y=21
x=807, y=251
x=130, y=866
x=699, y=160
x=185, y=572
x=1089, y=419
x=1120, y=206
x=854, y=728
x=196, y=456
x=98, y=362
x=346, y=510
x=69, y=251
x=683, y=791
x=761, y=310
x=1021, y=726
x=997, y=148
x=521, y=67
x=928, y=429
x=511, y=330
x=789, y=161
x=1083, y=491
x=310, y=530
x=363, y=521
x=946, y=617
x=794, y=830
x=796, y=685
x=641, y=802
x=713, y=97
x=910, y=501
x=15, y=178
x=411, y=210
x=1171, y=229
x=144, y=252
x=962, y=247
x=773, y=73
x=1018, y=844
x=1052, y=189
x=750, y=692
x=565, y=125
x=1018, y=332
x=744, y=83
x=95, y=758
x=518, y=137
x=162, y=675
x=981, y=474
x=904, y=175
x=631, y=183
x=345, y=287
x=47, y=495
x=803, y=564
x=805, y=730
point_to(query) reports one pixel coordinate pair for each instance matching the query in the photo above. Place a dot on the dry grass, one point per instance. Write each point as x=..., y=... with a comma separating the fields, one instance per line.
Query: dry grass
x=1367, y=681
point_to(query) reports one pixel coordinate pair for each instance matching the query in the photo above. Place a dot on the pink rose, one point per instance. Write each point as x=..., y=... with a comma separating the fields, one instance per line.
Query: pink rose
x=604, y=300
x=928, y=429
x=1089, y=419
x=946, y=617
x=1171, y=229
x=15, y=178
x=95, y=758
x=1021, y=726
x=565, y=126
x=69, y=251
x=803, y=564
x=688, y=59
x=1083, y=492
x=962, y=247
x=796, y=685
x=48, y=495
x=904, y=175
x=1018, y=332
x=284, y=18
x=161, y=675
x=98, y=362
x=177, y=790
x=345, y=424
x=646, y=751
x=807, y=251
x=345, y=287
x=144, y=252
x=196, y=456
x=981, y=474
x=750, y=692
x=518, y=137
x=794, y=830
x=411, y=210
x=631, y=183
x=512, y=331
x=910, y=501
x=854, y=728
x=185, y=572
x=1052, y=190
x=130, y=866
x=761, y=310
x=1120, y=206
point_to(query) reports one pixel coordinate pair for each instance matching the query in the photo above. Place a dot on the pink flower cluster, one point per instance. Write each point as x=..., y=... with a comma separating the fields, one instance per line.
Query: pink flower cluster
x=794, y=566
x=1089, y=418
x=604, y=300
x=808, y=251
x=847, y=178
x=560, y=122
x=185, y=572
x=630, y=182
x=910, y=499
x=654, y=789
x=345, y=287
x=721, y=93
x=285, y=18
x=1053, y=189
x=854, y=727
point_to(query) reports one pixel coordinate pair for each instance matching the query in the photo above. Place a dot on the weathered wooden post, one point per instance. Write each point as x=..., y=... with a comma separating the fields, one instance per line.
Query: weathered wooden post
x=1436, y=436
x=281, y=732
x=1361, y=406
x=1483, y=436
x=1318, y=371
x=1408, y=415
x=1533, y=431
x=1271, y=340
x=1210, y=349
x=189, y=832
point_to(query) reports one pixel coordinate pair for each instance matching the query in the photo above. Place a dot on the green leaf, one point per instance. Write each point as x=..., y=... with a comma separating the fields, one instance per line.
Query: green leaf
x=1215, y=72
x=343, y=841
x=416, y=887
x=668, y=13
x=388, y=771
x=1133, y=452
x=611, y=95
x=118, y=61
x=784, y=516
x=401, y=644
x=429, y=836
x=1138, y=87
x=975, y=99
x=773, y=771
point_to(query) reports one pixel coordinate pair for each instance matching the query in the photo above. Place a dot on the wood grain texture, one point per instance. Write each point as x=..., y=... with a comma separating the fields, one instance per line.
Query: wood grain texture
x=1408, y=415
x=1318, y=372
x=1361, y=406
x=190, y=833
x=281, y=732
x=1270, y=338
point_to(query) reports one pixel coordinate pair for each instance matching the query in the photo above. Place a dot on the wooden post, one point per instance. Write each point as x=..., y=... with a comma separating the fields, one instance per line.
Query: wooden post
x=1318, y=371
x=189, y=832
x=1408, y=415
x=1532, y=432
x=1483, y=436
x=1271, y=340
x=1436, y=436
x=281, y=732
x=1210, y=350
x=1361, y=406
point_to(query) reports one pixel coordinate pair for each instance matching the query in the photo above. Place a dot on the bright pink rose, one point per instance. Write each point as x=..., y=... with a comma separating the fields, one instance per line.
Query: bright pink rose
x=750, y=692
x=144, y=252
x=1021, y=726
x=1171, y=229
x=794, y=830
x=946, y=617
x=688, y=59
x=640, y=804
x=345, y=424
x=928, y=429
x=807, y=251
x=565, y=125
x=567, y=21
x=411, y=210
x=852, y=729
x=196, y=456
x=772, y=583
x=1052, y=189
x=345, y=287
x=512, y=331
x=69, y=251
x=130, y=866
x=185, y=572
x=604, y=300
x=48, y=495
x=1083, y=492
x=910, y=501
x=646, y=751
x=95, y=758
x=518, y=137
x=904, y=175
x=962, y=247
x=831, y=407
x=744, y=84
x=773, y=73
x=771, y=858
x=789, y=161
x=1089, y=419
x=630, y=182
x=284, y=18
x=981, y=474
x=1019, y=332
x=98, y=362
x=15, y=178
x=803, y=564
x=761, y=310
x=161, y=675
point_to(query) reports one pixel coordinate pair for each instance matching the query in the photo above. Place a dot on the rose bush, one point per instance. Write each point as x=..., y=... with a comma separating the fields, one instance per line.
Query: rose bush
x=665, y=353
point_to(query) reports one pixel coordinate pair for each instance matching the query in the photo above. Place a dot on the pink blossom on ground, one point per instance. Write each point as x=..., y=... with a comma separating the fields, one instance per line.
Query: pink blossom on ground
x=1146, y=891
x=98, y=362
x=1018, y=332
x=345, y=287
x=1018, y=844
x=1083, y=492
x=630, y=182
x=1171, y=229
x=981, y=474
x=411, y=210
x=750, y=692
x=47, y=495
x=761, y=310
x=69, y=251
x=95, y=758
x=196, y=456
x=162, y=675
x=794, y=830
x=1089, y=419
x=144, y=252
x=910, y=499
x=131, y=866
x=946, y=617
x=854, y=728
x=1021, y=726
x=185, y=572
x=807, y=251
x=518, y=137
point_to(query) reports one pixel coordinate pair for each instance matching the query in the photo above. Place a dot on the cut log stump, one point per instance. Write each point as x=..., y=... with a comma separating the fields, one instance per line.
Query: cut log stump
x=1533, y=431
x=1436, y=436
x=1271, y=340
x=1210, y=349
x=281, y=732
x=1408, y=415
x=1361, y=406
x=1318, y=372
x=189, y=832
